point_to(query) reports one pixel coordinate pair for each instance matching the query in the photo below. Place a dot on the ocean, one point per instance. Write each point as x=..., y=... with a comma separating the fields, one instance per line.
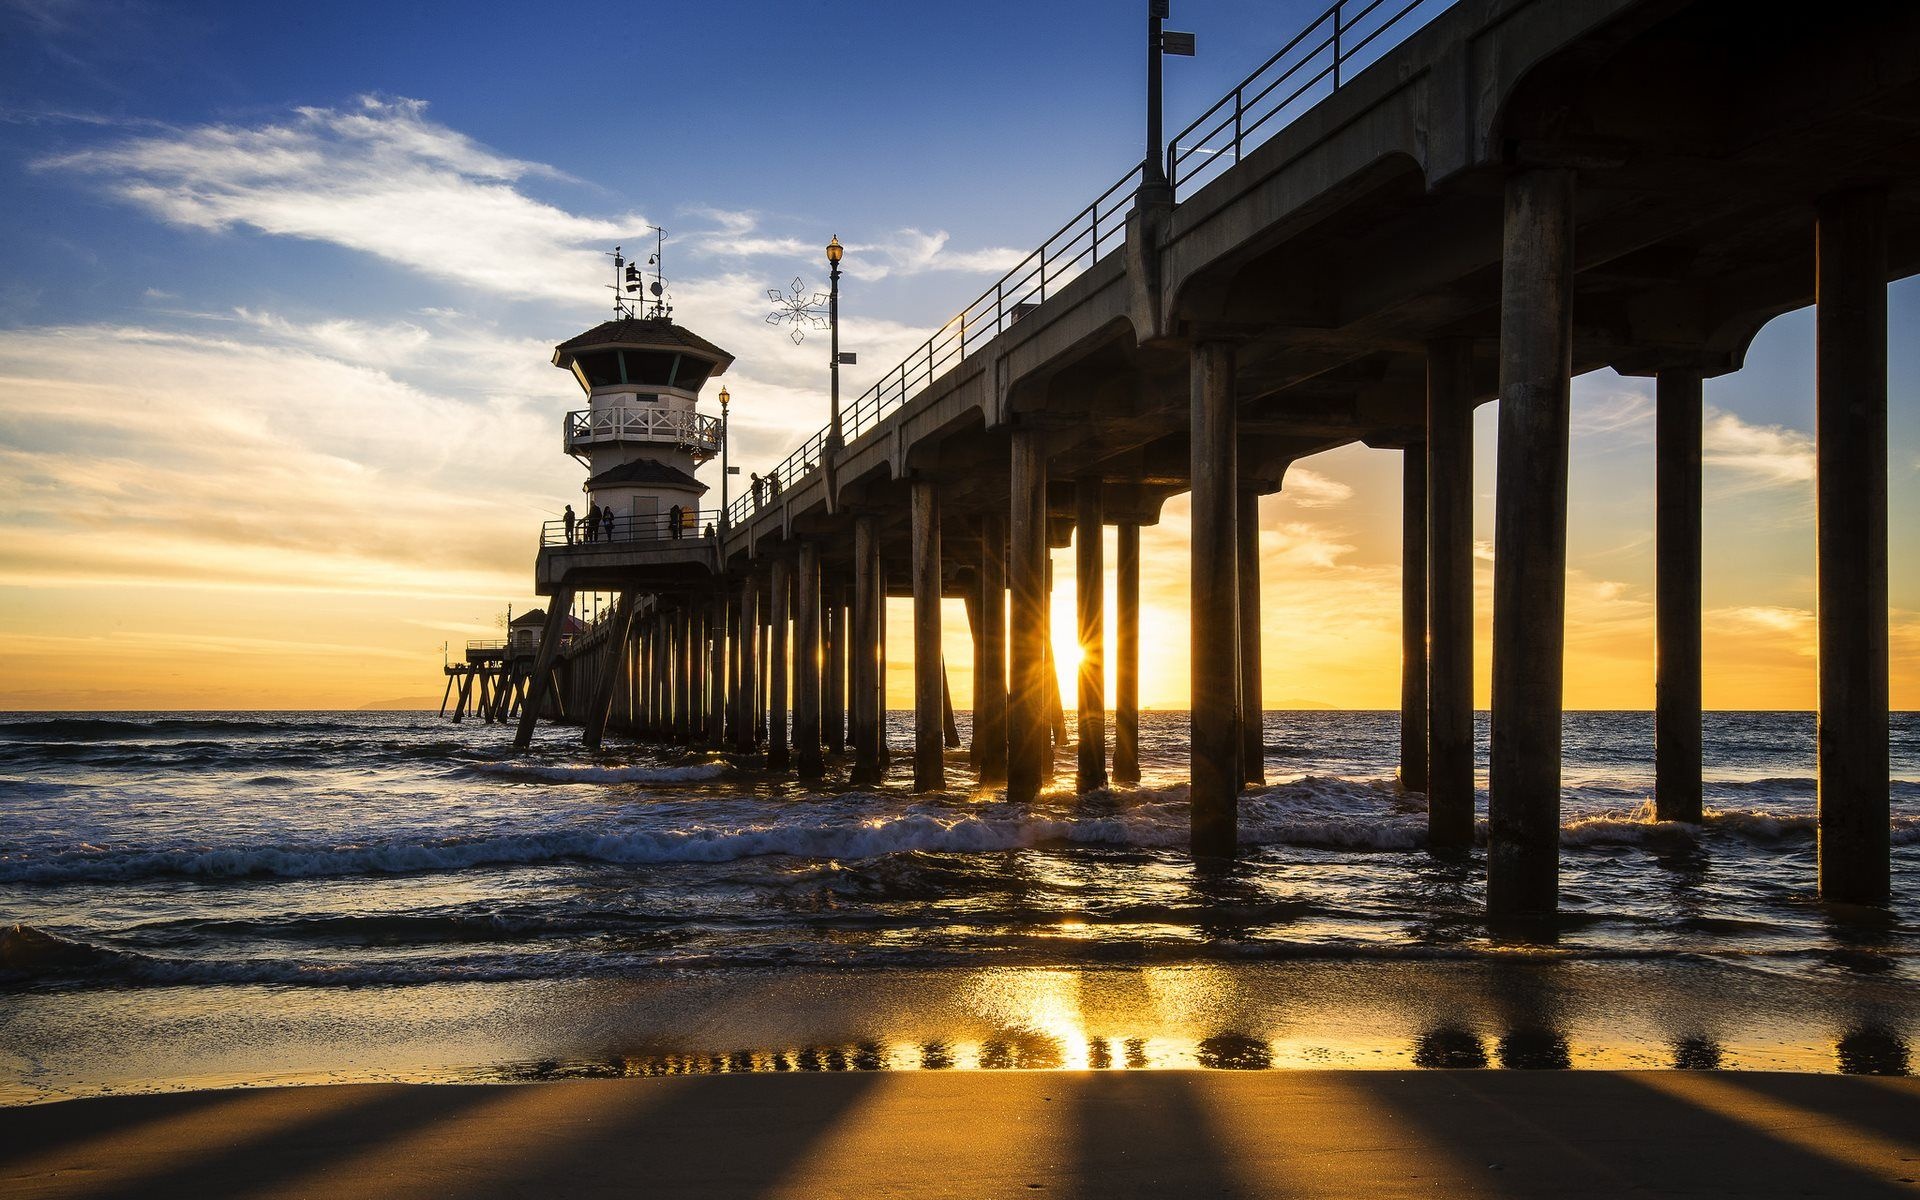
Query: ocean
x=195, y=899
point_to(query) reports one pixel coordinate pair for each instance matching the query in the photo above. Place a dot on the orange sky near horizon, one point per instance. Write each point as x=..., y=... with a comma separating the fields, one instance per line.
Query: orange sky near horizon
x=206, y=623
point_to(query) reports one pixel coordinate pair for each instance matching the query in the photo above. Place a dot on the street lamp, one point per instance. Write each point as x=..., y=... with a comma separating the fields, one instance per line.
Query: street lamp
x=725, y=470
x=834, y=252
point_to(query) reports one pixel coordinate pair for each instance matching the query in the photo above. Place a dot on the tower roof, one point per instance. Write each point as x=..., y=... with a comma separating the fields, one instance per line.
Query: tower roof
x=645, y=471
x=645, y=333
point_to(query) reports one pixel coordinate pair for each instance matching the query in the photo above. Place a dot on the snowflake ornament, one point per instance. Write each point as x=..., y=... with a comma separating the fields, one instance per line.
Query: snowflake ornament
x=797, y=309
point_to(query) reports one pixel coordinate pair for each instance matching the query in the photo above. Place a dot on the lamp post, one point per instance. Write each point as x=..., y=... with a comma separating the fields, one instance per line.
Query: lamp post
x=834, y=252
x=725, y=470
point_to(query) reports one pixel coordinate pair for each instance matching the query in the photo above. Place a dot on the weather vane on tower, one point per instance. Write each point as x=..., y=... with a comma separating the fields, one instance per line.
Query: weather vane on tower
x=631, y=289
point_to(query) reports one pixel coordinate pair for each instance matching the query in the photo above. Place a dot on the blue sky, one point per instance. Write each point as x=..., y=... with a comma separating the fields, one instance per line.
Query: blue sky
x=281, y=282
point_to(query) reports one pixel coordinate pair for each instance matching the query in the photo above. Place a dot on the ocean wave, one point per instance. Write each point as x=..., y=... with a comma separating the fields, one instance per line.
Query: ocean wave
x=110, y=729
x=1360, y=816
x=589, y=773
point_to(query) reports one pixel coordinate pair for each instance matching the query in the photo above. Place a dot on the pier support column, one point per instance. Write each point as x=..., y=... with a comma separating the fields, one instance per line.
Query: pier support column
x=543, y=666
x=1851, y=513
x=687, y=718
x=1090, y=578
x=779, y=757
x=1214, y=758
x=1413, y=618
x=730, y=606
x=1029, y=730
x=806, y=665
x=594, y=720
x=863, y=649
x=745, y=739
x=1530, y=543
x=1126, y=637
x=990, y=663
x=833, y=707
x=1253, y=723
x=717, y=681
x=1676, y=720
x=929, y=671
x=1450, y=594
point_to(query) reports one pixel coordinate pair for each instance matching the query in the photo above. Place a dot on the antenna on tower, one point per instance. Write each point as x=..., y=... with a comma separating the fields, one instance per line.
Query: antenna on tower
x=633, y=293
x=662, y=302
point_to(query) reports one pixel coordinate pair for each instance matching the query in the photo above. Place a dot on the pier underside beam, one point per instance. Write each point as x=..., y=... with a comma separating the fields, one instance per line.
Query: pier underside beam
x=543, y=666
x=1450, y=778
x=1851, y=506
x=1126, y=637
x=929, y=671
x=1214, y=755
x=1028, y=727
x=1676, y=721
x=1090, y=594
x=1530, y=542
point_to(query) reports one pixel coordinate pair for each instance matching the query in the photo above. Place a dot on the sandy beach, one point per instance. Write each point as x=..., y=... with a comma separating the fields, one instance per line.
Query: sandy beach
x=1106, y=1134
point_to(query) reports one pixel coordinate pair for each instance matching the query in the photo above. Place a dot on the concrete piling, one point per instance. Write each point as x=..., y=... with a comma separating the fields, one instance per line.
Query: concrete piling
x=1676, y=721
x=929, y=673
x=808, y=757
x=1028, y=727
x=1530, y=542
x=1126, y=636
x=1214, y=750
x=1090, y=596
x=1449, y=476
x=1850, y=490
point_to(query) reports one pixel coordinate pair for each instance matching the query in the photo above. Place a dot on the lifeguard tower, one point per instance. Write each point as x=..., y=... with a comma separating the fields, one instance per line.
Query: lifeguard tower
x=642, y=435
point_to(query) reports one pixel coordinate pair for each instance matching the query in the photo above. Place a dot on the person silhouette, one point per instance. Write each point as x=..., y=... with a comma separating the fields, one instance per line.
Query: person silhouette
x=593, y=522
x=569, y=518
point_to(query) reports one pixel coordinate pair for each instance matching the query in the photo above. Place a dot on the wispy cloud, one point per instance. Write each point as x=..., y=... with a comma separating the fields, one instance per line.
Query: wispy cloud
x=378, y=176
x=1311, y=489
x=1756, y=456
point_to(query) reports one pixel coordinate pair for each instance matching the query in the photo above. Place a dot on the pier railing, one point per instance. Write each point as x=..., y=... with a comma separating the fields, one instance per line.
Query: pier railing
x=1329, y=51
x=691, y=525
x=640, y=423
x=1332, y=48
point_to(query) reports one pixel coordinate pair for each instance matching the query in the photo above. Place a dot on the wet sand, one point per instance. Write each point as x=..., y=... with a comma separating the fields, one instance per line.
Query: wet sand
x=1305, y=1133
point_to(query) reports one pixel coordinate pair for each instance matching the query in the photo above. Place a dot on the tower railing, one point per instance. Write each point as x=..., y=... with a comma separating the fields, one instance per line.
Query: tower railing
x=1311, y=66
x=640, y=423
x=688, y=525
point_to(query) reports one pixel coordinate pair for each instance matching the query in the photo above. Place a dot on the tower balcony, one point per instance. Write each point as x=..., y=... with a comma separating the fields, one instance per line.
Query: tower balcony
x=693, y=432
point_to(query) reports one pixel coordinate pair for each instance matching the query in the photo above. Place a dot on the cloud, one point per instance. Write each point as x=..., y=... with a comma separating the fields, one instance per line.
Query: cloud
x=379, y=177
x=1756, y=456
x=1310, y=489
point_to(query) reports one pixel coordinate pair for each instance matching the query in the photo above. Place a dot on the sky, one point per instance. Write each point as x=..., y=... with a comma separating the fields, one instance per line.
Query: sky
x=281, y=284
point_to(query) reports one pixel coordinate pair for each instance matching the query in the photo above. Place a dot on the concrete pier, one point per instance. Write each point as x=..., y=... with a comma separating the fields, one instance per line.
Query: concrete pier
x=1450, y=752
x=1338, y=284
x=1530, y=543
x=1029, y=736
x=1413, y=618
x=1676, y=721
x=1090, y=598
x=1851, y=504
x=601, y=707
x=929, y=669
x=1214, y=753
x=809, y=761
x=1126, y=638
